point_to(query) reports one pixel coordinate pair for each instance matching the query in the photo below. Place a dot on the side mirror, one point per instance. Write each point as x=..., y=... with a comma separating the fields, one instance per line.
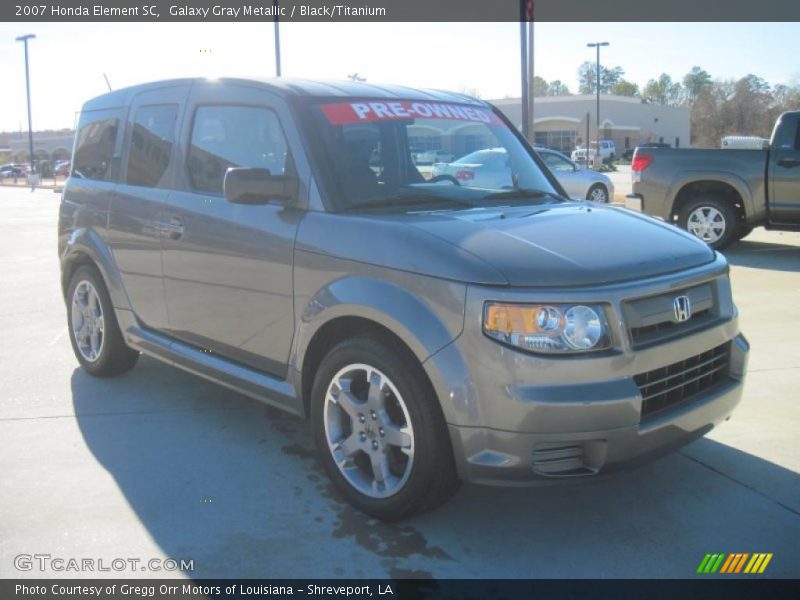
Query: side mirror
x=245, y=185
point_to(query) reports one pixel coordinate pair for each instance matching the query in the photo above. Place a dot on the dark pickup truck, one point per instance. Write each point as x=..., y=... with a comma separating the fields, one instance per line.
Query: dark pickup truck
x=721, y=195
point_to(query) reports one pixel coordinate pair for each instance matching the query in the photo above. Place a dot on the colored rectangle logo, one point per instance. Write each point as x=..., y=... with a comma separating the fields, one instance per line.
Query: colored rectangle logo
x=733, y=563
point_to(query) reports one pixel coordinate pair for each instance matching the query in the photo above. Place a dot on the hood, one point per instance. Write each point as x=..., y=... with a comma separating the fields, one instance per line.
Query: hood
x=557, y=245
x=570, y=244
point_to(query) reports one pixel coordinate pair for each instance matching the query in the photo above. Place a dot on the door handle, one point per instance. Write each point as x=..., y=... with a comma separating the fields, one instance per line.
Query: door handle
x=173, y=228
x=789, y=163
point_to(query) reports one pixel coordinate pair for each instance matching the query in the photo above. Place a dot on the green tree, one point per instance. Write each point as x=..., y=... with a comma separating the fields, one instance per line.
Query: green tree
x=540, y=86
x=662, y=91
x=587, y=78
x=556, y=88
x=625, y=88
x=694, y=82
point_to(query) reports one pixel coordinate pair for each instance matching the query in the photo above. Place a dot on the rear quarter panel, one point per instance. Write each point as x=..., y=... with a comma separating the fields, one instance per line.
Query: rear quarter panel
x=673, y=169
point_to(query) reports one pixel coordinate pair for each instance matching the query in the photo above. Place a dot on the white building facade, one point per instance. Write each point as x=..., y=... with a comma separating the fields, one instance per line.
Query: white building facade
x=560, y=122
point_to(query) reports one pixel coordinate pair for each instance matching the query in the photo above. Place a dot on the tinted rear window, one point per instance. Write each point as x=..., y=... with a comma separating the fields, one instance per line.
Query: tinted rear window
x=151, y=144
x=94, y=147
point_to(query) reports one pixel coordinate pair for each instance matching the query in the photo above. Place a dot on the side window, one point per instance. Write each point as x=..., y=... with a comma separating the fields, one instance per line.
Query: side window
x=94, y=149
x=151, y=143
x=556, y=163
x=234, y=136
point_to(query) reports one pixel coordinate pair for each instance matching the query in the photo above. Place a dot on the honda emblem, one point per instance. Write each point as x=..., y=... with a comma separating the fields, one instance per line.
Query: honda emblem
x=682, y=308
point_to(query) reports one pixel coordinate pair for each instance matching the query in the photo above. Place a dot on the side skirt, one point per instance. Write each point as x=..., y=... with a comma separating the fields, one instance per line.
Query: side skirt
x=275, y=392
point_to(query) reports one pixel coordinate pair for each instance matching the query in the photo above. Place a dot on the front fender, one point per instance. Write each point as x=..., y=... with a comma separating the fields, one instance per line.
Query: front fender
x=85, y=245
x=409, y=314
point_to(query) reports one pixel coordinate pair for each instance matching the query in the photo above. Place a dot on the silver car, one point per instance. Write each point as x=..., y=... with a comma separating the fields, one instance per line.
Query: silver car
x=578, y=181
x=489, y=168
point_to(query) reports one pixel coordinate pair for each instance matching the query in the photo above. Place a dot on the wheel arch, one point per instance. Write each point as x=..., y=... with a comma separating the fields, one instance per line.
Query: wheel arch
x=86, y=247
x=359, y=305
x=731, y=188
x=602, y=184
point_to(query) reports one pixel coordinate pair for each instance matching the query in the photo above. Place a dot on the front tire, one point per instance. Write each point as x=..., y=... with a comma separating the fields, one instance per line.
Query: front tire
x=93, y=330
x=598, y=193
x=379, y=430
x=711, y=219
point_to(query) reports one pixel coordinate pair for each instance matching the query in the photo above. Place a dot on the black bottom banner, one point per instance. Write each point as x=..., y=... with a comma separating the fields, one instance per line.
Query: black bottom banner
x=226, y=589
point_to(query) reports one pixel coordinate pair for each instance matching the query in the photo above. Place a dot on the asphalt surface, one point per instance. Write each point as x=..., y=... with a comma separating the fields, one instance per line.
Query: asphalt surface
x=157, y=463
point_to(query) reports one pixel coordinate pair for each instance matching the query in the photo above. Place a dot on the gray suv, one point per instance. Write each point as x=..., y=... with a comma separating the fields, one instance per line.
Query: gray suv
x=278, y=238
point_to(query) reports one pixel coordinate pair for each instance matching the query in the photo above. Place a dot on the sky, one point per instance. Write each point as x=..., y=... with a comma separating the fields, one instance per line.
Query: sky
x=68, y=60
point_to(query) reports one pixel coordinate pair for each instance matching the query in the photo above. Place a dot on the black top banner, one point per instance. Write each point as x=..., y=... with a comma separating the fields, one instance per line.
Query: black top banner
x=400, y=10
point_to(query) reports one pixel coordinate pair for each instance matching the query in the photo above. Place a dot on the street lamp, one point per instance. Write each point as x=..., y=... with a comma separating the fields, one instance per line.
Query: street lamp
x=24, y=39
x=277, y=39
x=597, y=70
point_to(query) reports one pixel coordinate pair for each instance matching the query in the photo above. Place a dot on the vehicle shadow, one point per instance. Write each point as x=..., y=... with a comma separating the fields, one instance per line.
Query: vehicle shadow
x=763, y=255
x=234, y=486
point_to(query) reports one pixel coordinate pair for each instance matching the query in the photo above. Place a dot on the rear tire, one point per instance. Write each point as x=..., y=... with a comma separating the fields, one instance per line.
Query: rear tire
x=379, y=430
x=93, y=330
x=711, y=219
x=744, y=231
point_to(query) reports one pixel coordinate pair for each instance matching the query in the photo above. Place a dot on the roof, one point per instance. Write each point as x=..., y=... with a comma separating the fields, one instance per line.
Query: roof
x=291, y=88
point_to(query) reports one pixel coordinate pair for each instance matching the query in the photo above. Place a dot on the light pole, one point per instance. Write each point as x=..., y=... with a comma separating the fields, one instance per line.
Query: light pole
x=24, y=39
x=597, y=70
x=277, y=40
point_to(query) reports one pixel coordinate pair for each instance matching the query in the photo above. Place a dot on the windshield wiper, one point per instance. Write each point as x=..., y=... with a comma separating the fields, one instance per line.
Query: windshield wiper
x=408, y=200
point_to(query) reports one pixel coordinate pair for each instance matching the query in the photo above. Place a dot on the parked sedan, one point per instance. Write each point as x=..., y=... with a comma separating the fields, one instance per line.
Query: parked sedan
x=489, y=168
x=577, y=180
x=11, y=171
x=434, y=156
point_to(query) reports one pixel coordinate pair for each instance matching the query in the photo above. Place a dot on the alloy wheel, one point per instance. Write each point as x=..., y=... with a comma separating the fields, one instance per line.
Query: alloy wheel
x=88, y=322
x=368, y=430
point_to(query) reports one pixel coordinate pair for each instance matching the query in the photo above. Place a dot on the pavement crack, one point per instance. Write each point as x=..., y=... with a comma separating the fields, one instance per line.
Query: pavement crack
x=741, y=483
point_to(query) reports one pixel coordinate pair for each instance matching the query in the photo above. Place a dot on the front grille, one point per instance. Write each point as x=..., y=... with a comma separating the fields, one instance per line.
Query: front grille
x=666, y=329
x=680, y=382
x=652, y=320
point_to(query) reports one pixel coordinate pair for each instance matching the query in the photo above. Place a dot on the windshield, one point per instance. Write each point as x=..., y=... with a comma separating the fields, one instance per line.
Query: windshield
x=409, y=153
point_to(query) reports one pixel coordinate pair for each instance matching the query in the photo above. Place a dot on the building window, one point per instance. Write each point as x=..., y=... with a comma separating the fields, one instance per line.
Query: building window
x=562, y=140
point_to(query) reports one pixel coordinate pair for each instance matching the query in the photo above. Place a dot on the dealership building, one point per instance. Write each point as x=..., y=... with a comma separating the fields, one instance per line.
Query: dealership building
x=50, y=146
x=560, y=122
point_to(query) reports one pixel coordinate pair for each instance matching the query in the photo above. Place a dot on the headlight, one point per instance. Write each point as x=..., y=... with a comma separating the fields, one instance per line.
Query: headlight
x=548, y=328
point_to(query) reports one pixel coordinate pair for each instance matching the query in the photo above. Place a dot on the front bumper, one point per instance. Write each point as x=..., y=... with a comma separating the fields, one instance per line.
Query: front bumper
x=515, y=418
x=492, y=456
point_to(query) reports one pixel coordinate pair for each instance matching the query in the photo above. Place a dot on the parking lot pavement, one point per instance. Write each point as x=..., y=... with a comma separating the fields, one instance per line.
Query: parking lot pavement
x=157, y=463
x=622, y=182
